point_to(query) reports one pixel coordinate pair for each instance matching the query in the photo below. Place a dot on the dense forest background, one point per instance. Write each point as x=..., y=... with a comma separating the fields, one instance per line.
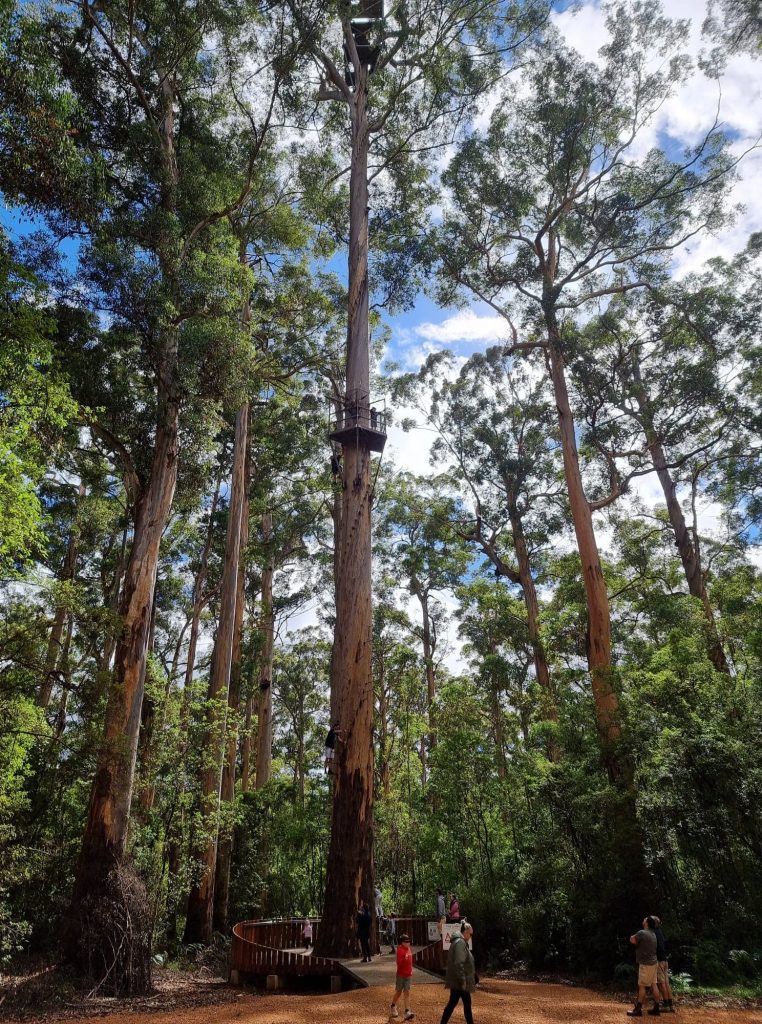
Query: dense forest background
x=556, y=743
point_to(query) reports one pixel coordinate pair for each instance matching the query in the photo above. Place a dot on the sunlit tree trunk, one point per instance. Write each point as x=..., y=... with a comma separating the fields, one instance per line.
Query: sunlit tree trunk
x=598, y=614
x=349, y=878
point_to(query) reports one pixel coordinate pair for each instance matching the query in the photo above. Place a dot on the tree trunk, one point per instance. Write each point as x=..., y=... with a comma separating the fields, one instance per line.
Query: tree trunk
x=246, y=746
x=112, y=603
x=265, y=706
x=68, y=570
x=199, y=600
x=548, y=709
x=596, y=595
x=349, y=877
x=225, y=850
x=689, y=556
x=105, y=838
x=431, y=683
x=199, y=924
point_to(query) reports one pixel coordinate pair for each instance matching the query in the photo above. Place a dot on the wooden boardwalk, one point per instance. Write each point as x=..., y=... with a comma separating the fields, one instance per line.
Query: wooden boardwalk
x=382, y=970
x=269, y=951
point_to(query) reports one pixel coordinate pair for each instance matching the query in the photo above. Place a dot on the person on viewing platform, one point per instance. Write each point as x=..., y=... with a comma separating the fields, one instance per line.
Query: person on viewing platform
x=404, y=979
x=391, y=932
x=363, y=932
x=454, y=909
x=378, y=899
x=307, y=933
x=441, y=913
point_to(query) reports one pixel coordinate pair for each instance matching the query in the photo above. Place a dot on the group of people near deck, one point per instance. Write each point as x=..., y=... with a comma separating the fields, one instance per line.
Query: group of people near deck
x=461, y=978
x=460, y=975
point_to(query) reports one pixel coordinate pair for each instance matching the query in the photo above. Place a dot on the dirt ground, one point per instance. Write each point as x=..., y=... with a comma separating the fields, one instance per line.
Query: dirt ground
x=496, y=1002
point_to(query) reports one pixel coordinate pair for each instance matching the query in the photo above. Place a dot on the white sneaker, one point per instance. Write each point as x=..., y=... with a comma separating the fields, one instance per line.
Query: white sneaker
x=409, y=1015
x=393, y=1011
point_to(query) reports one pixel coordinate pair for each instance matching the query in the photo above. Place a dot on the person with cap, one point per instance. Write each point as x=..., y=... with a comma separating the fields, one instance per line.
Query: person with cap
x=404, y=979
x=461, y=974
x=645, y=945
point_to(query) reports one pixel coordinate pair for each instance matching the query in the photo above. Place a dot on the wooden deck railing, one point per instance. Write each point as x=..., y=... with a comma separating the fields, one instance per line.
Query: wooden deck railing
x=260, y=948
x=266, y=947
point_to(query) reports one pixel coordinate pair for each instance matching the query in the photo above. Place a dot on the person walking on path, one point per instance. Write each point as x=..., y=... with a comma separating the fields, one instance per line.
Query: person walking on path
x=454, y=909
x=307, y=933
x=363, y=932
x=404, y=979
x=644, y=942
x=441, y=912
x=461, y=974
x=662, y=970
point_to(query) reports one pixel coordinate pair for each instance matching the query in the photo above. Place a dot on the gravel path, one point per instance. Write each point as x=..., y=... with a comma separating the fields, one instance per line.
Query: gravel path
x=497, y=1002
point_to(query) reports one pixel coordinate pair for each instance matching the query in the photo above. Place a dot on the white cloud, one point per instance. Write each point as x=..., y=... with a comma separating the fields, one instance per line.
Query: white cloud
x=465, y=325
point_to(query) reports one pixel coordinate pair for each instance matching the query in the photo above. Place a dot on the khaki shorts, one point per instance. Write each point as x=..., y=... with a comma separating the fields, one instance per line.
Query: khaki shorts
x=647, y=974
x=662, y=972
x=402, y=984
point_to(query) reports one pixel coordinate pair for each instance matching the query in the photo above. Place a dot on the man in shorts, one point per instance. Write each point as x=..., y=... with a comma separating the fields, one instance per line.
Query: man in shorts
x=404, y=978
x=644, y=942
x=662, y=970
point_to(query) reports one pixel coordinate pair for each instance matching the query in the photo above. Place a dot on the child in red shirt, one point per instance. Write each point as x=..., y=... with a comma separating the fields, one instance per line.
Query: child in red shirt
x=404, y=978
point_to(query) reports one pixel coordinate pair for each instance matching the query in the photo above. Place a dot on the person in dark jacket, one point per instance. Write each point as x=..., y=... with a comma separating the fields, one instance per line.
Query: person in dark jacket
x=364, y=920
x=461, y=974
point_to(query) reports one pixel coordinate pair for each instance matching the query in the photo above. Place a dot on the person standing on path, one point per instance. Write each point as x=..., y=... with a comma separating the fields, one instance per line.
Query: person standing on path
x=461, y=974
x=441, y=912
x=404, y=979
x=662, y=970
x=363, y=932
x=644, y=942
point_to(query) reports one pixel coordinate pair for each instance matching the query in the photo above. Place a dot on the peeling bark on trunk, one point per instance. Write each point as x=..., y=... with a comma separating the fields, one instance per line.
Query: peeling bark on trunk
x=225, y=849
x=198, y=925
x=596, y=595
x=349, y=878
x=265, y=703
